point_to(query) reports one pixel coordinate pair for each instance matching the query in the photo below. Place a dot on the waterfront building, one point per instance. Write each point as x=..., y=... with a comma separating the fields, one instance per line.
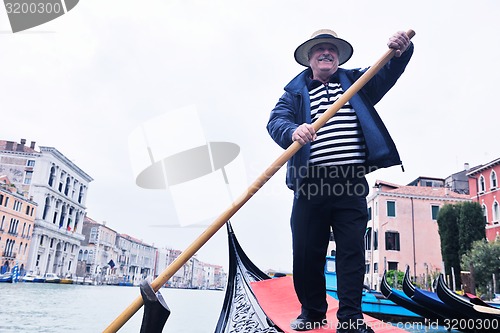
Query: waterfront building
x=215, y=278
x=136, y=259
x=165, y=257
x=59, y=187
x=98, y=253
x=484, y=189
x=193, y=274
x=17, y=220
x=402, y=228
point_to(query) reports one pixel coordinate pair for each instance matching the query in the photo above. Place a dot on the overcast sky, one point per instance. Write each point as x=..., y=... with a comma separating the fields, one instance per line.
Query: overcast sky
x=82, y=83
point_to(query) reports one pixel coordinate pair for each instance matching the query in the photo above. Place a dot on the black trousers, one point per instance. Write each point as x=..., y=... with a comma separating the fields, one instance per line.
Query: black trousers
x=324, y=202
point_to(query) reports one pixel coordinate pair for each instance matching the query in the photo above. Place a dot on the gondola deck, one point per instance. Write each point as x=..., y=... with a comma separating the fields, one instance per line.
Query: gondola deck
x=278, y=300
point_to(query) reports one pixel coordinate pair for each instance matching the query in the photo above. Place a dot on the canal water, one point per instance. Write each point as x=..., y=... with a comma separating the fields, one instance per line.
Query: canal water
x=62, y=308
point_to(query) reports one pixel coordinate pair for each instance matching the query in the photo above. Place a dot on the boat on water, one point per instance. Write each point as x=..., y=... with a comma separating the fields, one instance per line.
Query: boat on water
x=67, y=280
x=429, y=300
x=241, y=307
x=485, y=314
x=33, y=278
x=373, y=302
x=52, y=278
x=253, y=301
x=85, y=280
x=399, y=297
x=466, y=313
x=6, y=277
x=476, y=300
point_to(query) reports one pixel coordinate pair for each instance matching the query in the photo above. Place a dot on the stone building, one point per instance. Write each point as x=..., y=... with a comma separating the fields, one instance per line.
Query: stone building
x=98, y=253
x=136, y=259
x=59, y=187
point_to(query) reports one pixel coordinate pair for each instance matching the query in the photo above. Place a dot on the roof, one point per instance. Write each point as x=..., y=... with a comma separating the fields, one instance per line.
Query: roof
x=418, y=191
x=14, y=146
x=486, y=166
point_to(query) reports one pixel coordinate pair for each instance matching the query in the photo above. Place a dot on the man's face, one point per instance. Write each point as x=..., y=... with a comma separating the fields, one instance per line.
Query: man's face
x=323, y=59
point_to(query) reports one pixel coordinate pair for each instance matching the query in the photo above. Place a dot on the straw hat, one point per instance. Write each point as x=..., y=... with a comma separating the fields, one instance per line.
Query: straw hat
x=323, y=36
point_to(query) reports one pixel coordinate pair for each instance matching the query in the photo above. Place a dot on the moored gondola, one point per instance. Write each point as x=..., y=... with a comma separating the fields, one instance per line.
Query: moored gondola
x=430, y=300
x=476, y=317
x=400, y=298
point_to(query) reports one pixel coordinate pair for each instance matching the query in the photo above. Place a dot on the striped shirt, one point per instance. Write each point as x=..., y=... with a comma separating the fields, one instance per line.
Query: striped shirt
x=340, y=141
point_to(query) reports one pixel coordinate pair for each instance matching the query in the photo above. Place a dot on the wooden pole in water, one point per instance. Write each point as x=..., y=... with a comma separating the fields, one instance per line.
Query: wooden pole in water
x=252, y=189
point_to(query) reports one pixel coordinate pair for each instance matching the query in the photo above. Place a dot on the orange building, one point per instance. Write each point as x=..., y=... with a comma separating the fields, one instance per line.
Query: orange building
x=17, y=219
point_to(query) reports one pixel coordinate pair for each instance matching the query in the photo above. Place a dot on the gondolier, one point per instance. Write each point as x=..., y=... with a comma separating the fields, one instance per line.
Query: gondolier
x=327, y=174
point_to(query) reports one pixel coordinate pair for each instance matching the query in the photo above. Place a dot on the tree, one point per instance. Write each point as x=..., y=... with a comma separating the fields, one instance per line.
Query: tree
x=471, y=225
x=395, y=278
x=459, y=226
x=448, y=233
x=484, y=256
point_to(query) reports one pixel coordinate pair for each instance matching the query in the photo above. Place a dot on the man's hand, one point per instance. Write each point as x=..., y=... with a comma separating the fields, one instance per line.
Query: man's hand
x=304, y=133
x=399, y=42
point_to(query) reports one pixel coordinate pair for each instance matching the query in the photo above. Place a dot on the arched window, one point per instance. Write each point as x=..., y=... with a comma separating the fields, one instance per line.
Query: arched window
x=80, y=195
x=496, y=212
x=66, y=189
x=485, y=214
x=46, y=209
x=80, y=255
x=63, y=216
x=85, y=255
x=52, y=176
x=493, y=180
x=482, y=185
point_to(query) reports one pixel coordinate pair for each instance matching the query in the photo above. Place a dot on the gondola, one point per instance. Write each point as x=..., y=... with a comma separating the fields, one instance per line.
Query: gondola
x=400, y=298
x=245, y=305
x=476, y=300
x=241, y=311
x=373, y=302
x=429, y=300
x=481, y=317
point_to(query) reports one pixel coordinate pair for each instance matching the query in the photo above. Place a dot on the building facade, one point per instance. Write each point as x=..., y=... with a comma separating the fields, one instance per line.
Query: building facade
x=17, y=221
x=59, y=187
x=166, y=256
x=402, y=228
x=193, y=274
x=483, y=185
x=98, y=253
x=136, y=259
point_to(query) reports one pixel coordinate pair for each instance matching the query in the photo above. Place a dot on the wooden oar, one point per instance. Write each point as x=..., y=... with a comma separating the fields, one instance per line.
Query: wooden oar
x=252, y=189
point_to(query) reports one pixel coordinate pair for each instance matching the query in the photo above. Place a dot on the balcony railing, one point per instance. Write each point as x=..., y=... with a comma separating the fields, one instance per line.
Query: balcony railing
x=9, y=255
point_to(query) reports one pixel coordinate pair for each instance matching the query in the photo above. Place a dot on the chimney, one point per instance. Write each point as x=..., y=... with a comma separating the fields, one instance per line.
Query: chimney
x=20, y=147
x=466, y=166
x=9, y=145
x=32, y=144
